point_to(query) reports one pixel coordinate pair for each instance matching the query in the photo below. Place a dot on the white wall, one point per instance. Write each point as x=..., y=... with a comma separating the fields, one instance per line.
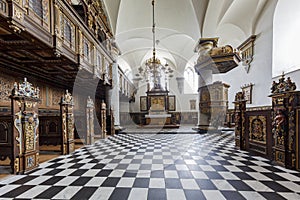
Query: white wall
x=260, y=73
x=286, y=37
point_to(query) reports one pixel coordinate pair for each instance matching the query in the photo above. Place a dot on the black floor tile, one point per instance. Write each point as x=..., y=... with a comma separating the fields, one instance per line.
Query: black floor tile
x=120, y=194
x=213, y=175
x=16, y=192
x=53, y=172
x=157, y=174
x=276, y=186
x=50, y=192
x=104, y=173
x=98, y=166
x=130, y=174
x=81, y=181
x=274, y=177
x=84, y=193
x=206, y=184
x=141, y=183
x=272, y=196
x=76, y=166
x=78, y=172
x=232, y=195
x=173, y=183
x=154, y=193
x=110, y=182
x=194, y=195
x=220, y=168
x=243, y=176
x=24, y=180
x=52, y=180
x=239, y=185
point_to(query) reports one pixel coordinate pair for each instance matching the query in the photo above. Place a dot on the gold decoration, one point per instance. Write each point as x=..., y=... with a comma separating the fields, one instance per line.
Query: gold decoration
x=258, y=128
x=37, y=158
x=283, y=85
x=29, y=136
x=18, y=14
x=17, y=165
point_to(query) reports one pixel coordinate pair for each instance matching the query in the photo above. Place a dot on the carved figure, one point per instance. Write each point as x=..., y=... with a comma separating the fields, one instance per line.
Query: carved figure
x=283, y=85
x=279, y=119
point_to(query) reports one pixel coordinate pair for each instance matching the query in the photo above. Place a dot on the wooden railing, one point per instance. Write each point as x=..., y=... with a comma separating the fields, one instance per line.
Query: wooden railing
x=61, y=29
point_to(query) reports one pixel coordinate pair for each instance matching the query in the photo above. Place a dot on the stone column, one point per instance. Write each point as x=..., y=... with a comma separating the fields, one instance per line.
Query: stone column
x=180, y=84
x=204, y=78
x=113, y=94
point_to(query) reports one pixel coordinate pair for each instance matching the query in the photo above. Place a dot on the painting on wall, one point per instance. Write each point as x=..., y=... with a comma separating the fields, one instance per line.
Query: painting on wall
x=143, y=103
x=157, y=103
x=247, y=90
x=171, y=103
x=193, y=104
x=258, y=129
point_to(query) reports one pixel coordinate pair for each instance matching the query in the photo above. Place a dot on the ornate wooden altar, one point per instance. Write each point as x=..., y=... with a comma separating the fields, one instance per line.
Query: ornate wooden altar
x=157, y=105
x=25, y=135
x=285, y=127
x=67, y=122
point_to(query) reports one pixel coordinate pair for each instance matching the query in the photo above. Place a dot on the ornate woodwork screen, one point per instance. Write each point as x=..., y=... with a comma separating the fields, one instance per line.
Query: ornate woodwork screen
x=25, y=100
x=67, y=117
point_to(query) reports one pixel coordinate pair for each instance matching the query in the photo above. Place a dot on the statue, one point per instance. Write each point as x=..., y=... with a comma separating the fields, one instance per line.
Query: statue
x=283, y=85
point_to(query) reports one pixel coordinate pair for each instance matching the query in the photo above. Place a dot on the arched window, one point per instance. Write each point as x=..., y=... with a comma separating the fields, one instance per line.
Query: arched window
x=191, y=82
x=37, y=7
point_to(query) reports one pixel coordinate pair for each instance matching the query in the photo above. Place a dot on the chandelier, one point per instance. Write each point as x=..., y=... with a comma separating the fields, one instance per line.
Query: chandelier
x=155, y=72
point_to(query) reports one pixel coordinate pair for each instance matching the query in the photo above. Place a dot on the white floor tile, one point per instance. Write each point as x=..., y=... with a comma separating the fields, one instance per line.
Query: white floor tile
x=258, y=186
x=33, y=192
x=175, y=194
x=138, y=193
x=223, y=185
x=213, y=195
x=189, y=184
x=67, y=193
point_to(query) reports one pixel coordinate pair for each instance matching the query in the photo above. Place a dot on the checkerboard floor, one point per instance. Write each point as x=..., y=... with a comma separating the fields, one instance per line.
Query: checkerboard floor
x=156, y=166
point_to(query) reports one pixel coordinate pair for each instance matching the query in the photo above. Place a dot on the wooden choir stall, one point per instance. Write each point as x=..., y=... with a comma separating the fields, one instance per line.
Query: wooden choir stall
x=272, y=132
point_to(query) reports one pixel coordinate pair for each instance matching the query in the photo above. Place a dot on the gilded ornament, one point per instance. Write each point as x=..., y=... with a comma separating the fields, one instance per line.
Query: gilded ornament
x=18, y=13
x=26, y=89
x=17, y=165
x=283, y=85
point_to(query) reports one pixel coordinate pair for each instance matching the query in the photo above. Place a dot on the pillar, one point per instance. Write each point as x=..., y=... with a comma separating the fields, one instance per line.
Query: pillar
x=239, y=119
x=204, y=78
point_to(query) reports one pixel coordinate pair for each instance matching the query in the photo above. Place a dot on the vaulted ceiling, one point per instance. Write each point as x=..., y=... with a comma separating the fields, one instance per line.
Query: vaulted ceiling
x=180, y=24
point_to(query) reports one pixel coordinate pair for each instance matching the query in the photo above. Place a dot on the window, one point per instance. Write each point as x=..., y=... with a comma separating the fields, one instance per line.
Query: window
x=37, y=7
x=190, y=78
x=86, y=49
x=68, y=31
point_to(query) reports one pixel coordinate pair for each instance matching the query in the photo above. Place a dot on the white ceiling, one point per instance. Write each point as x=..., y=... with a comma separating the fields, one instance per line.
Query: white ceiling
x=180, y=24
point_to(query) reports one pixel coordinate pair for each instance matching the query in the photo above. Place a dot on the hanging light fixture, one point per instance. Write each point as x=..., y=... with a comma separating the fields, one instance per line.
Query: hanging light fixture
x=154, y=71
